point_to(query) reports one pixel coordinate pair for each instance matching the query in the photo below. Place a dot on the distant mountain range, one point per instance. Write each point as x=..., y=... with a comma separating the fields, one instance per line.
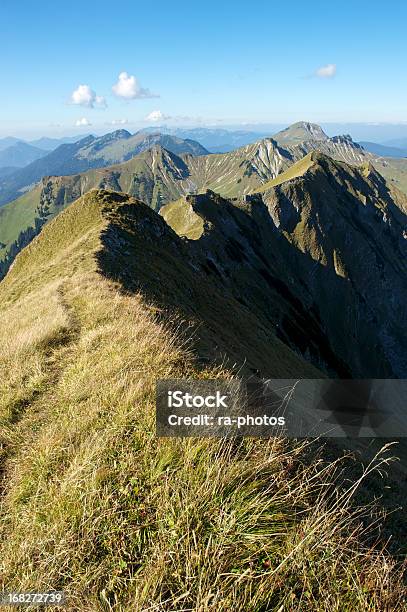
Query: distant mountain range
x=50, y=144
x=90, y=152
x=16, y=153
x=157, y=175
x=47, y=144
x=215, y=140
x=9, y=141
x=384, y=150
x=399, y=143
x=20, y=154
x=6, y=170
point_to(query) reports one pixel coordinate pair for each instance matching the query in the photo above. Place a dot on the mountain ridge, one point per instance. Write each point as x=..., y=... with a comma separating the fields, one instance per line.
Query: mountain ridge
x=331, y=234
x=89, y=153
x=160, y=176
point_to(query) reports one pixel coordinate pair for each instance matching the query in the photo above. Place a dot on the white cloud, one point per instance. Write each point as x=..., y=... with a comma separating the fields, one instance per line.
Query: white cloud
x=83, y=95
x=326, y=72
x=156, y=116
x=119, y=122
x=83, y=122
x=129, y=88
x=100, y=102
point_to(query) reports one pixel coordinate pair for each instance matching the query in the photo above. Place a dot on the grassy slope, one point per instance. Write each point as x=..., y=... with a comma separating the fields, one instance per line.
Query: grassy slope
x=394, y=171
x=17, y=216
x=297, y=169
x=182, y=219
x=93, y=503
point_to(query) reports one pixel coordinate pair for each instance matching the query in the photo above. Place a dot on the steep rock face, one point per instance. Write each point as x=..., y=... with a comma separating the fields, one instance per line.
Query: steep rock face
x=240, y=171
x=349, y=223
x=340, y=148
x=321, y=258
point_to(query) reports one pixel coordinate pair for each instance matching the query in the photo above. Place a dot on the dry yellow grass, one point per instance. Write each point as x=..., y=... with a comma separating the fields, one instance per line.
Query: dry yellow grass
x=94, y=504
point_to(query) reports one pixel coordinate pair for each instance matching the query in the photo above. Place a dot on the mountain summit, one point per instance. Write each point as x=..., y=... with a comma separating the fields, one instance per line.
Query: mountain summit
x=302, y=131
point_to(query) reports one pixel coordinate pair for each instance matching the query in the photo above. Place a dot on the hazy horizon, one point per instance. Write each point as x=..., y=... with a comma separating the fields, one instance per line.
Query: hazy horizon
x=379, y=132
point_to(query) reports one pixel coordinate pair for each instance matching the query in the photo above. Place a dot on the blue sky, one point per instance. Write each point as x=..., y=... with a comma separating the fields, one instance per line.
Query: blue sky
x=207, y=63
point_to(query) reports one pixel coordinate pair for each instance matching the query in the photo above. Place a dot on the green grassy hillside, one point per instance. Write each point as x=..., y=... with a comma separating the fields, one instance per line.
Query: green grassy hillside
x=18, y=216
x=394, y=170
x=93, y=503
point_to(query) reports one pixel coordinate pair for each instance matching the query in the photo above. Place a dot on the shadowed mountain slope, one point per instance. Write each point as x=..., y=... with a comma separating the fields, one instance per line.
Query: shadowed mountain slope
x=317, y=261
x=320, y=256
